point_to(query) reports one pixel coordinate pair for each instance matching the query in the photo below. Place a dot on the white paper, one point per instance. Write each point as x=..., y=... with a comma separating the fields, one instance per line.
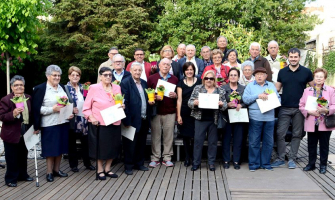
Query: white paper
x=30, y=139
x=80, y=106
x=275, y=74
x=112, y=114
x=128, y=132
x=209, y=101
x=169, y=87
x=270, y=104
x=65, y=112
x=238, y=116
x=311, y=103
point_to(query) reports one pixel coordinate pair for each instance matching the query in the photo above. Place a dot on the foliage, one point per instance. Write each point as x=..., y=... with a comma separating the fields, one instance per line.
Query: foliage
x=329, y=62
x=311, y=61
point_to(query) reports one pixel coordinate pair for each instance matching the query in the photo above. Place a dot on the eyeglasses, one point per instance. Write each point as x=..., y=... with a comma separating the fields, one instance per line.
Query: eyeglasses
x=209, y=79
x=75, y=75
x=18, y=85
x=107, y=75
x=233, y=75
x=55, y=75
x=247, y=70
x=139, y=54
x=217, y=57
x=166, y=64
x=118, y=62
x=167, y=50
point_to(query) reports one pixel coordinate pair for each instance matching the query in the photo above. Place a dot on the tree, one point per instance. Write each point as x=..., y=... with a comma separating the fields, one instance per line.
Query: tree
x=18, y=29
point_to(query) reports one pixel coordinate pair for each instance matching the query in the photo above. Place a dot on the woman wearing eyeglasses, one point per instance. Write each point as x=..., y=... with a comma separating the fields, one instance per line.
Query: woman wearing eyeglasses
x=100, y=97
x=206, y=120
x=168, y=52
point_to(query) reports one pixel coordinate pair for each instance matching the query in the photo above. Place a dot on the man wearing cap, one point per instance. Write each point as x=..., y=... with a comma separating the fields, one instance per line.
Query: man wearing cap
x=260, y=122
x=112, y=51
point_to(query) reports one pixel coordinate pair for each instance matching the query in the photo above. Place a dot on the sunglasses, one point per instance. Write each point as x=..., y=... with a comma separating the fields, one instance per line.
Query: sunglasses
x=107, y=75
x=209, y=78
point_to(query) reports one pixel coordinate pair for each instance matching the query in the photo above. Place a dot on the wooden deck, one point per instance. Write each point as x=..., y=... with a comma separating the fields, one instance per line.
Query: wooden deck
x=159, y=183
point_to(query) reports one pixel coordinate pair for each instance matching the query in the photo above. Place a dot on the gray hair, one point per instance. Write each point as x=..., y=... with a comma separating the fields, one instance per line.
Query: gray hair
x=273, y=42
x=113, y=48
x=135, y=64
x=190, y=45
x=52, y=68
x=248, y=63
x=181, y=44
x=255, y=44
x=118, y=55
x=17, y=78
x=221, y=36
x=204, y=48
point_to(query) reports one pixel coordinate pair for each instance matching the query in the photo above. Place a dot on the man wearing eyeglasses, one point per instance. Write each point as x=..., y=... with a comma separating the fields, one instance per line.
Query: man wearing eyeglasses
x=112, y=51
x=147, y=70
x=118, y=73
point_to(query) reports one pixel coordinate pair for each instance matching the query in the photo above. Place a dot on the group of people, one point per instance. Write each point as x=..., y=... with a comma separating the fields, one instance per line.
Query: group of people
x=218, y=72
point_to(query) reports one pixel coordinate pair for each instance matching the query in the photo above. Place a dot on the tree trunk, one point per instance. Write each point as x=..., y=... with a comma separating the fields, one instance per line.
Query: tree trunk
x=7, y=74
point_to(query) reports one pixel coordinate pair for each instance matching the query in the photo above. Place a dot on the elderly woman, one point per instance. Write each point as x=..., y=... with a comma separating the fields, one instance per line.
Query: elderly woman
x=247, y=69
x=315, y=120
x=54, y=133
x=220, y=69
x=232, y=59
x=100, y=97
x=78, y=125
x=15, y=122
x=186, y=122
x=206, y=120
x=167, y=52
x=234, y=130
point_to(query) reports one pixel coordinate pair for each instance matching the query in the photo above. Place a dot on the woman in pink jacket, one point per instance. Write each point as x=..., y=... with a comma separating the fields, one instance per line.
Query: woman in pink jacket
x=100, y=97
x=315, y=120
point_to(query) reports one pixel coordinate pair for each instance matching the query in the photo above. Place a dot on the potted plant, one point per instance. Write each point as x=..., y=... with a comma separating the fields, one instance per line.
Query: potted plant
x=151, y=94
x=118, y=98
x=62, y=101
x=86, y=86
x=154, y=58
x=19, y=101
x=282, y=61
x=160, y=91
x=116, y=82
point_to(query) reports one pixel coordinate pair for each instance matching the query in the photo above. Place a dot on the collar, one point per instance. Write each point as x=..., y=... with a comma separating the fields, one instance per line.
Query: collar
x=167, y=76
x=136, y=82
x=114, y=72
x=288, y=68
x=324, y=88
x=253, y=60
x=266, y=82
x=49, y=87
x=192, y=59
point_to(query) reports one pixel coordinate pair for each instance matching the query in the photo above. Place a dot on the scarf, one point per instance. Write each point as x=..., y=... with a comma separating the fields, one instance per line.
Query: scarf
x=25, y=113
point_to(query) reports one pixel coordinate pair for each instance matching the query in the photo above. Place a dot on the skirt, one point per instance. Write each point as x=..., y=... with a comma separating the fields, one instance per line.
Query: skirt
x=109, y=145
x=55, y=140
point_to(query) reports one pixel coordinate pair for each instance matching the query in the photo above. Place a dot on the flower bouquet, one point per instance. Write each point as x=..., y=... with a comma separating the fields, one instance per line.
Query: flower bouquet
x=219, y=79
x=322, y=101
x=282, y=61
x=118, y=98
x=151, y=94
x=268, y=91
x=19, y=101
x=235, y=97
x=86, y=86
x=160, y=91
x=153, y=59
x=116, y=82
x=62, y=101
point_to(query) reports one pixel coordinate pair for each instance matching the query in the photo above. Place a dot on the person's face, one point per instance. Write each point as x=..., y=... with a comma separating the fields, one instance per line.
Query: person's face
x=136, y=71
x=190, y=52
x=222, y=43
x=247, y=71
x=54, y=78
x=74, y=77
x=260, y=77
x=232, y=57
x=217, y=58
x=233, y=76
x=181, y=51
x=254, y=51
x=139, y=56
x=112, y=53
x=18, y=87
x=189, y=72
x=206, y=53
x=294, y=59
x=164, y=66
x=118, y=63
x=319, y=78
x=273, y=49
x=209, y=80
x=106, y=77
x=167, y=53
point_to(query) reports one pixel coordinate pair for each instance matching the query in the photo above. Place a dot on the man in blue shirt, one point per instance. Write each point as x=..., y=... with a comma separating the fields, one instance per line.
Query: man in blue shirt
x=118, y=73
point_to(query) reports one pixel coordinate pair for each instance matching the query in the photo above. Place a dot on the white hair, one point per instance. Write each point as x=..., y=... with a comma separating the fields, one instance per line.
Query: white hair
x=190, y=45
x=52, y=68
x=247, y=63
x=118, y=55
x=221, y=36
x=181, y=44
x=255, y=44
x=135, y=64
x=273, y=42
x=205, y=47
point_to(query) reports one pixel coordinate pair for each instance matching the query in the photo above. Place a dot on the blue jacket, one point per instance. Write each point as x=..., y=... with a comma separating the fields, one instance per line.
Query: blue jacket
x=200, y=65
x=125, y=75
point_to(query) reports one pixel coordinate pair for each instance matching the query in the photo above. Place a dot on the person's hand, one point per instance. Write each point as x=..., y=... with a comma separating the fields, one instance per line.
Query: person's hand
x=36, y=132
x=263, y=96
x=123, y=106
x=71, y=116
x=314, y=113
x=231, y=105
x=226, y=61
x=180, y=120
x=17, y=111
x=196, y=102
x=158, y=98
x=220, y=103
x=223, y=83
x=93, y=120
x=56, y=107
x=151, y=102
x=173, y=95
x=322, y=110
x=238, y=107
x=75, y=110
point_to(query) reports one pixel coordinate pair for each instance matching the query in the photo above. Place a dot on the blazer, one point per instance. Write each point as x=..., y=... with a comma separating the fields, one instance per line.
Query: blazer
x=176, y=68
x=133, y=103
x=125, y=75
x=200, y=65
x=11, y=127
x=329, y=94
x=97, y=100
x=147, y=68
x=38, y=97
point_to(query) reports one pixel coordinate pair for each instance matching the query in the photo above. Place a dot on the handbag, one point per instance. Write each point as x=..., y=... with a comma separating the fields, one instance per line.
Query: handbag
x=330, y=121
x=222, y=121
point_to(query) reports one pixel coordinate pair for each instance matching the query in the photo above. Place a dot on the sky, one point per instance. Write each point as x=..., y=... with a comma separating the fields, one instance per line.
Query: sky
x=322, y=3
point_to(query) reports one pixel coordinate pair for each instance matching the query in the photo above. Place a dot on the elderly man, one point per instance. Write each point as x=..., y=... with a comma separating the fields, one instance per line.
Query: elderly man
x=165, y=117
x=206, y=55
x=222, y=43
x=118, y=73
x=136, y=110
x=180, y=52
x=190, y=57
x=259, y=122
x=112, y=51
x=293, y=79
x=147, y=69
x=273, y=59
x=258, y=60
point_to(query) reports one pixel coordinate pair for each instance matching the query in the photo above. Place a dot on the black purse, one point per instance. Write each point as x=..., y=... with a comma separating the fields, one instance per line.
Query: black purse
x=330, y=121
x=222, y=121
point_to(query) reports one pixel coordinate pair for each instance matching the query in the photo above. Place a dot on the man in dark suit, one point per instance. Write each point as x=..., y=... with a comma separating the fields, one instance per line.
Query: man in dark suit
x=190, y=57
x=118, y=73
x=136, y=107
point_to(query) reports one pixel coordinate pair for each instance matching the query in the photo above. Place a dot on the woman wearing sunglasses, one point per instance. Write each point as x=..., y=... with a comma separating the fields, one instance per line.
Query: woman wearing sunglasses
x=206, y=119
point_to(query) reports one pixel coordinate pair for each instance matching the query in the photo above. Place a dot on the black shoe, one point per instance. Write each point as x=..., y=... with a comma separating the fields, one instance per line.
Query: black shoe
x=91, y=167
x=212, y=167
x=195, y=167
x=11, y=184
x=236, y=166
x=142, y=168
x=75, y=169
x=323, y=169
x=101, y=177
x=309, y=168
x=128, y=172
x=29, y=179
x=60, y=174
x=50, y=177
x=187, y=163
x=226, y=165
x=111, y=175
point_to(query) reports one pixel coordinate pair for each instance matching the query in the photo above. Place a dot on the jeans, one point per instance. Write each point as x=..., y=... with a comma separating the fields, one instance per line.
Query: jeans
x=260, y=157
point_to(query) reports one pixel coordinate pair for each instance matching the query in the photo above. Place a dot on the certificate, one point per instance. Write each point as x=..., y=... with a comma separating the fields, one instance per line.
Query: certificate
x=128, y=132
x=30, y=139
x=238, y=116
x=311, y=103
x=275, y=72
x=169, y=87
x=270, y=104
x=208, y=101
x=112, y=114
x=65, y=113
